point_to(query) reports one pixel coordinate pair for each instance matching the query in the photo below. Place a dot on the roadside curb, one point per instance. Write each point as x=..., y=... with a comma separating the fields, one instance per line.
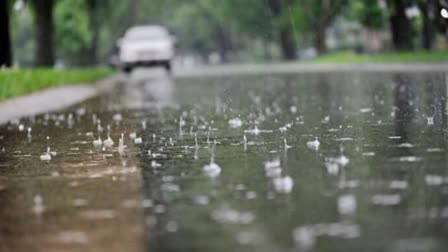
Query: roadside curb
x=52, y=99
x=304, y=68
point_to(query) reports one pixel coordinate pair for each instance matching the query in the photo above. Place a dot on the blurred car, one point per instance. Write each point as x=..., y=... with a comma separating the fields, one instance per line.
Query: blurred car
x=146, y=46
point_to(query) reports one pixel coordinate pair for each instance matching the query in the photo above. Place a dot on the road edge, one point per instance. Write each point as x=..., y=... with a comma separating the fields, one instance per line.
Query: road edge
x=52, y=99
x=304, y=68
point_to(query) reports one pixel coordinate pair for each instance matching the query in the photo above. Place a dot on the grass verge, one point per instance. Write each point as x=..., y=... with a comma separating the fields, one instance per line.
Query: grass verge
x=16, y=82
x=404, y=57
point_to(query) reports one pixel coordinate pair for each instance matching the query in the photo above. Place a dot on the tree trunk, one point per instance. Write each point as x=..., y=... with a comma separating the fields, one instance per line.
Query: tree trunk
x=5, y=39
x=43, y=12
x=223, y=42
x=92, y=10
x=400, y=26
x=320, y=40
x=287, y=44
x=427, y=31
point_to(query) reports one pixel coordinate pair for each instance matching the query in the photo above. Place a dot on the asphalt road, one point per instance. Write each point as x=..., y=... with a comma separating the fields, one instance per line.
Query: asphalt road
x=234, y=159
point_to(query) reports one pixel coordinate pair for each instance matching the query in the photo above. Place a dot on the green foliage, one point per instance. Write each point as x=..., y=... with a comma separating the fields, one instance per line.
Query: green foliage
x=369, y=13
x=295, y=17
x=350, y=57
x=81, y=29
x=72, y=29
x=250, y=17
x=16, y=82
x=197, y=35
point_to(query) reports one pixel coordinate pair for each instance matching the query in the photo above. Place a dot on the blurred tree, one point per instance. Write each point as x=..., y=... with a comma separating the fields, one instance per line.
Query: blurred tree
x=72, y=34
x=114, y=18
x=98, y=13
x=85, y=31
x=254, y=20
x=369, y=13
x=22, y=33
x=194, y=37
x=432, y=21
x=44, y=29
x=5, y=39
x=43, y=13
x=400, y=25
x=441, y=23
x=280, y=9
x=220, y=28
x=427, y=8
x=203, y=26
x=320, y=15
x=78, y=28
x=93, y=7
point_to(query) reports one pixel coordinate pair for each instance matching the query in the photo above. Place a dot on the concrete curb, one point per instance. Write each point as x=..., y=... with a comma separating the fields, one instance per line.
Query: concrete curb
x=52, y=99
x=293, y=68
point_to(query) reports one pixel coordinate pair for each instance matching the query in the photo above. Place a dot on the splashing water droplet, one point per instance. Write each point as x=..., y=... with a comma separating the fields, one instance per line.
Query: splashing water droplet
x=138, y=140
x=121, y=146
x=212, y=170
x=235, y=123
x=347, y=204
x=314, y=145
x=283, y=184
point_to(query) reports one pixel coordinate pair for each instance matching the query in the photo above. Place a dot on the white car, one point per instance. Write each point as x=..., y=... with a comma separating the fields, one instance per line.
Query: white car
x=146, y=46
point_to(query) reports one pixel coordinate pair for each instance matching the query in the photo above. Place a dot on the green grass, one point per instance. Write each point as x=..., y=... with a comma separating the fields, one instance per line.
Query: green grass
x=16, y=82
x=350, y=57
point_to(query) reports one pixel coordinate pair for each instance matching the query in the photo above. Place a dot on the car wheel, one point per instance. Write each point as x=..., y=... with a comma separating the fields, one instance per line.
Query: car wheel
x=167, y=66
x=127, y=69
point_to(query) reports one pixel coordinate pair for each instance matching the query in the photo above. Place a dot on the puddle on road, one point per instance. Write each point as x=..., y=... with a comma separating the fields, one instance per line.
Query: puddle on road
x=318, y=162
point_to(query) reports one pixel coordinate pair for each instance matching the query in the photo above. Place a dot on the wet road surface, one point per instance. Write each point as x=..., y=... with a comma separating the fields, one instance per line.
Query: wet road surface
x=285, y=162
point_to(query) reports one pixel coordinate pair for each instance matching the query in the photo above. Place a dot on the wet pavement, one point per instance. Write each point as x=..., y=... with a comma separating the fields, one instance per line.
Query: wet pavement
x=278, y=162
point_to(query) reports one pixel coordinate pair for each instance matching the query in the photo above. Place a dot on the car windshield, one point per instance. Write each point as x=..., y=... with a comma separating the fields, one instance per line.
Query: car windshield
x=145, y=34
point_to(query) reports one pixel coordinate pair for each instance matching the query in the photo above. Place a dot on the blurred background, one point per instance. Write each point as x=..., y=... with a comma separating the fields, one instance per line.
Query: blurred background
x=66, y=33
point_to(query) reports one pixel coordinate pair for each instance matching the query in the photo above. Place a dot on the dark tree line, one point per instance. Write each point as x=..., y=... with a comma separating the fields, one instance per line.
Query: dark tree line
x=433, y=22
x=44, y=32
x=5, y=38
x=44, y=54
x=44, y=29
x=207, y=26
x=402, y=29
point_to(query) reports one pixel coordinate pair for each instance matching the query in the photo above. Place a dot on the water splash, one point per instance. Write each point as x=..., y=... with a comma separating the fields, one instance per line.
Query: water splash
x=121, y=146
x=108, y=143
x=138, y=140
x=305, y=237
x=272, y=168
x=285, y=144
x=256, y=131
x=283, y=184
x=235, y=123
x=347, y=204
x=245, y=142
x=228, y=215
x=29, y=137
x=212, y=169
x=97, y=142
x=38, y=207
x=314, y=145
x=47, y=155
